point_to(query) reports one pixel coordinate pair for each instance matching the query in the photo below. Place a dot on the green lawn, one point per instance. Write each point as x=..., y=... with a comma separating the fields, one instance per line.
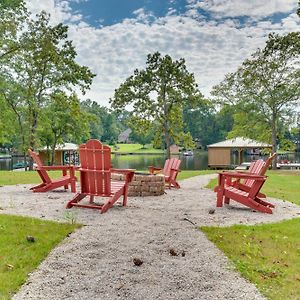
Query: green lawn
x=135, y=148
x=20, y=177
x=280, y=184
x=18, y=256
x=267, y=255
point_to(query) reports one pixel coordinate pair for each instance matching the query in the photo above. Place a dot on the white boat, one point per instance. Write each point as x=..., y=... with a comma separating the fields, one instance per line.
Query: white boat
x=188, y=153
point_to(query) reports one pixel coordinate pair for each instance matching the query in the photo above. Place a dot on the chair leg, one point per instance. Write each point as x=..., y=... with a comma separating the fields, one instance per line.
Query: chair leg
x=109, y=204
x=76, y=199
x=73, y=185
x=125, y=195
x=265, y=203
x=220, y=198
x=226, y=200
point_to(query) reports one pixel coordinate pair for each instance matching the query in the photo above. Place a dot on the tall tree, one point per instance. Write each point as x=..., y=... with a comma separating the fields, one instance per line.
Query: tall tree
x=158, y=95
x=12, y=16
x=267, y=86
x=44, y=65
x=63, y=120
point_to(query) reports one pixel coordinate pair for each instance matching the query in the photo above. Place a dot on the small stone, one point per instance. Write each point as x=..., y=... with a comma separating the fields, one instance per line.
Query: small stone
x=183, y=253
x=30, y=238
x=211, y=211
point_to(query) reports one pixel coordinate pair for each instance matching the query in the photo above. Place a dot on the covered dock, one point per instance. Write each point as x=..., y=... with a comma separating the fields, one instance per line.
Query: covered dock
x=219, y=154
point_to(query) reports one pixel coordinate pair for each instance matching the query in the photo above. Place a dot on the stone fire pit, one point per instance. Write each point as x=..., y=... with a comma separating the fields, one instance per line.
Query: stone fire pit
x=144, y=184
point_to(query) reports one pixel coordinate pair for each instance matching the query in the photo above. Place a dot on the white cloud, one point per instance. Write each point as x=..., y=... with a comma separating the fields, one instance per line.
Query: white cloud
x=211, y=48
x=254, y=8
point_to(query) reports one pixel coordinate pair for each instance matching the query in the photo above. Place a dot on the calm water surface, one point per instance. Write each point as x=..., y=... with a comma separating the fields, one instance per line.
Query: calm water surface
x=198, y=161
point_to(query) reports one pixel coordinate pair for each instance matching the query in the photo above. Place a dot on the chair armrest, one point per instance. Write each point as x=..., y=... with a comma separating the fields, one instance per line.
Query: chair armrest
x=51, y=168
x=242, y=175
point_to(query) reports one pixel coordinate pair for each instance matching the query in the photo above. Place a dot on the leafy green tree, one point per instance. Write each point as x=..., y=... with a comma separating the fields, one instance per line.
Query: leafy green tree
x=104, y=126
x=295, y=134
x=266, y=87
x=63, y=120
x=201, y=122
x=44, y=65
x=142, y=137
x=12, y=16
x=158, y=95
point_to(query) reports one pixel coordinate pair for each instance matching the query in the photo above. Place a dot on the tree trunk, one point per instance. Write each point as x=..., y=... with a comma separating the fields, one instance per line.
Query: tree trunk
x=32, y=135
x=53, y=153
x=274, y=140
x=168, y=142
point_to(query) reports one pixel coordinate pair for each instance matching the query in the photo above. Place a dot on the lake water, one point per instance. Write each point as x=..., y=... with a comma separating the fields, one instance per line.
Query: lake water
x=198, y=161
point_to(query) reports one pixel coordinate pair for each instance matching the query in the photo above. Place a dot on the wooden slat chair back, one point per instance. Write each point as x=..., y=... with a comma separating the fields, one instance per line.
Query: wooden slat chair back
x=170, y=171
x=95, y=178
x=95, y=168
x=259, y=167
x=48, y=183
x=255, y=168
x=41, y=171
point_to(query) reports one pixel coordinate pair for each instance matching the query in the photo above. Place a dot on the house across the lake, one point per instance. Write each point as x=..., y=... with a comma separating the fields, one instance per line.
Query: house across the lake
x=124, y=136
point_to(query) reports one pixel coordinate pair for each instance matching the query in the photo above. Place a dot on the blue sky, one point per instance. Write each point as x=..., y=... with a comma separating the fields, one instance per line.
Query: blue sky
x=113, y=37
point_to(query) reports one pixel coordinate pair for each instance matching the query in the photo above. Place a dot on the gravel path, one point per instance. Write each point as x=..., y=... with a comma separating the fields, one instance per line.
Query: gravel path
x=96, y=262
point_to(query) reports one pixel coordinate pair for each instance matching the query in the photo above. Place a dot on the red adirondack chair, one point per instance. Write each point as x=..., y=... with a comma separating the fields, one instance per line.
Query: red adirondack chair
x=49, y=184
x=170, y=171
x=95, y=178
x=249, y=198
x=258, y=167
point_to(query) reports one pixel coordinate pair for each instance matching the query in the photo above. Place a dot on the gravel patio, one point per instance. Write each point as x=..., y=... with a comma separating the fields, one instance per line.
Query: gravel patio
x=96, y=261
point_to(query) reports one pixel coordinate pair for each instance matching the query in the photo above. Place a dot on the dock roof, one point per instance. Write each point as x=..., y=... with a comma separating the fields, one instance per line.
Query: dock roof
x=240, y=142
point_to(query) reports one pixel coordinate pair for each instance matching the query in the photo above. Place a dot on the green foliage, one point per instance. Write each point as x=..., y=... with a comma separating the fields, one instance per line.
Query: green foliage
x=267, y=255
x=104, y=125
x=19, y=256
x=157, y=95
x=205, y=124
x=41, y=65
x=63, y=120
x=142, y=137
x=265, y=89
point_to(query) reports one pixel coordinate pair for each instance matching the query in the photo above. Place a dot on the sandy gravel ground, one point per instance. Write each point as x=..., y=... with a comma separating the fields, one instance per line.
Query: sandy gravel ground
x=96, y=262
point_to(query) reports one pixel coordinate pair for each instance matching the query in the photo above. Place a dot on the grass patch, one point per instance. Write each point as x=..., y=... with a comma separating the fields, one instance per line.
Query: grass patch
x=18, y=256
x=135, y=148
x=267, y=255
x=283, y=185
x=20, y=177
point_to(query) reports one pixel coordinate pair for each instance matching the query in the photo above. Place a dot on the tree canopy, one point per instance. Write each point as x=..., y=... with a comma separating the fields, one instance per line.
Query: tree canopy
x=265, y=88
x=157, y=96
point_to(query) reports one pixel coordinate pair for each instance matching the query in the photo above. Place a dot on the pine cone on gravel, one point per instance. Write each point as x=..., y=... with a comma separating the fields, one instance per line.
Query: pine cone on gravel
x=137, y=261
x=173, y=252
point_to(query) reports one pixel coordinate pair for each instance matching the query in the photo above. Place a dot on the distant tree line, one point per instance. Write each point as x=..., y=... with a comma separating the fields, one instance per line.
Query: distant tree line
x=162, y=104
